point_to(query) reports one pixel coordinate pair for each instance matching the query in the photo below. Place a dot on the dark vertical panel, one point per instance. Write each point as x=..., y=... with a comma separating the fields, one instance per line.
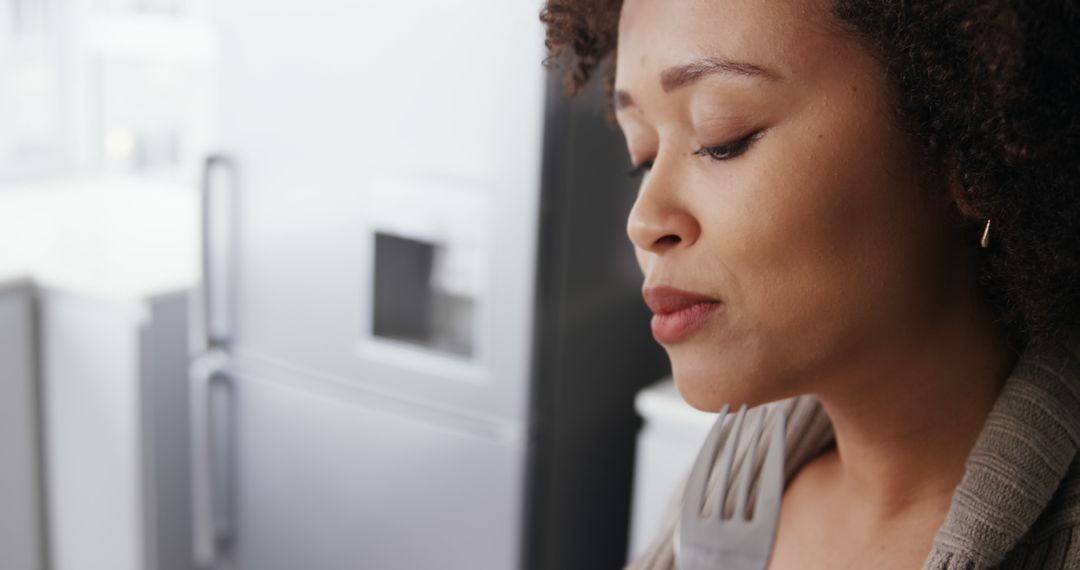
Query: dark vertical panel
x=594, y=349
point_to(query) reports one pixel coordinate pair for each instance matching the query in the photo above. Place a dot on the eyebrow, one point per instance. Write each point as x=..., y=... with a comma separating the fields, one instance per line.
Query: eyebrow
x=679, y=76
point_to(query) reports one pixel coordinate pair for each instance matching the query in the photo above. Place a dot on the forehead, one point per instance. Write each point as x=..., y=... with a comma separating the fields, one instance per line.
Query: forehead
x=778, y=34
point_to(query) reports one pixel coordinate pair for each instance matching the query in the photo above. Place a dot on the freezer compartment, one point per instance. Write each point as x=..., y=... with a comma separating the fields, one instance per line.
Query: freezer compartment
x=333, y=479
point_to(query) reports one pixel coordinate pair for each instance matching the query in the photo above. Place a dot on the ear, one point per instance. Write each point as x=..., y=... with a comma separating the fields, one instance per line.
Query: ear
x=956, y=192
x=957, y=201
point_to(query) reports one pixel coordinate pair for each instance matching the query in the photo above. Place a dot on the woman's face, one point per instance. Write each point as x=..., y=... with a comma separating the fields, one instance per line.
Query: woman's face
x=777, y=183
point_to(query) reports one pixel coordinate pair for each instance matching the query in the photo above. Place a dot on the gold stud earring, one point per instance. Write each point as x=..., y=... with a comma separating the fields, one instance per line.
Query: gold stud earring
x=985, y=241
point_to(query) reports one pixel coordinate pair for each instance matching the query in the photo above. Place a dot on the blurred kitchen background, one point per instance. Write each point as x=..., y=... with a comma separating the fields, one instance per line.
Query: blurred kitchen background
x=320, y=285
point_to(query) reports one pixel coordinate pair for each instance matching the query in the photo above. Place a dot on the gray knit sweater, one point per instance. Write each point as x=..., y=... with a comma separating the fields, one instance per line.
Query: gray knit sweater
x=1018, y=505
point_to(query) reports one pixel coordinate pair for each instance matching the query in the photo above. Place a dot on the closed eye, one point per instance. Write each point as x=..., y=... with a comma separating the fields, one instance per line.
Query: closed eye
x=730, y=150
x=721, y=152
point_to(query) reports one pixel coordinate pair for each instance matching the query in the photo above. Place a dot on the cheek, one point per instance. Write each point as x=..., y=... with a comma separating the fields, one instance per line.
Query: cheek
x=815, y=240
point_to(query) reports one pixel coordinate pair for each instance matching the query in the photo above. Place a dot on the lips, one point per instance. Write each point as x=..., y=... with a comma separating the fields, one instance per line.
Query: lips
x=678, y=314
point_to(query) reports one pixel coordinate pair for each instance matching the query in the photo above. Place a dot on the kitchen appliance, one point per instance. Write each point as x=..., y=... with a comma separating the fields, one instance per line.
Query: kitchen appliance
x=419, y=332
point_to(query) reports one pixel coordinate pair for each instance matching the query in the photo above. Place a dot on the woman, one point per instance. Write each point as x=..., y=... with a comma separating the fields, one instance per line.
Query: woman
x=869, y=208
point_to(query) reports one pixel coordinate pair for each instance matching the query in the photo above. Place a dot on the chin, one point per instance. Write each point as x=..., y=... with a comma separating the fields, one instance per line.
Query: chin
x=710, y=384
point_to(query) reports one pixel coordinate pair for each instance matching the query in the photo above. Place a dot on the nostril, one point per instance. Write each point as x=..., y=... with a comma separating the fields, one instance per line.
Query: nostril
x=669, y=240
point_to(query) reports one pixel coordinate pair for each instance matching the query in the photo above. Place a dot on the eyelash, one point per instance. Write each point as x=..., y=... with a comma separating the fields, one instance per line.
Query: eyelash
x=721, y=152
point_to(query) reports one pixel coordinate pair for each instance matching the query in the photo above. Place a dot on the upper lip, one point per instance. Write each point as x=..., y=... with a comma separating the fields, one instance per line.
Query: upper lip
x=663, y=299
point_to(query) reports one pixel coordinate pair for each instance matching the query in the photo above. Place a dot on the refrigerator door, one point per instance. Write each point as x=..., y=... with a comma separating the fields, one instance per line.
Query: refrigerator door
x=387, y=161
x=383, y=160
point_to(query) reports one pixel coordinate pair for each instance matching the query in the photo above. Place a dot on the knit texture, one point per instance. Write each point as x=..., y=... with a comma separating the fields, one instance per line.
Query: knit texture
x=1018, y=504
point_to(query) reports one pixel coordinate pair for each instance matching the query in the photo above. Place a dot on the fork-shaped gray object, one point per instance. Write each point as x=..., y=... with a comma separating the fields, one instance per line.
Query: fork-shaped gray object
x=712, y=542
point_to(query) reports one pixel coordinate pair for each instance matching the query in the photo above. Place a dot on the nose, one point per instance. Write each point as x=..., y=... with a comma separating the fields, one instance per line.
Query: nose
x=659, y=220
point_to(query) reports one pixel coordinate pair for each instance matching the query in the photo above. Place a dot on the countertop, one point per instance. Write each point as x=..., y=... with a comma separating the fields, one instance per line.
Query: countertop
x=121, y=238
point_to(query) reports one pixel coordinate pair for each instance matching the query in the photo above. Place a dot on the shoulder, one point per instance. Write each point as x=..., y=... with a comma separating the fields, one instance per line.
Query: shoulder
x=1063, y=511
x=1054, y=540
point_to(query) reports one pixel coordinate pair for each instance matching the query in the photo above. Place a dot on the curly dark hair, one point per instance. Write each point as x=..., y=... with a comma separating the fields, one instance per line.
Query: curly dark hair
x=991, y=88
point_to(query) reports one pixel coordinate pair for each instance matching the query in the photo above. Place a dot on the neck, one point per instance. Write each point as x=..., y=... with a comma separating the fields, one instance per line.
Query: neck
x=904, y=430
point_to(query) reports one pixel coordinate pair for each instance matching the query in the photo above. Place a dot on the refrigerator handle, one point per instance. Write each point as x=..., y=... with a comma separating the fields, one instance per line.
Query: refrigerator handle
x=210, y=386
x=209, y=408
x=211, y=313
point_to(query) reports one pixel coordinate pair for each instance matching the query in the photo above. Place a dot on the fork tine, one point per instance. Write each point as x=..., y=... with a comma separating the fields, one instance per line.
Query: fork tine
x=746, y=470
x=771, y=486
x=699, y=475
x=712, y=542
x=718, y=493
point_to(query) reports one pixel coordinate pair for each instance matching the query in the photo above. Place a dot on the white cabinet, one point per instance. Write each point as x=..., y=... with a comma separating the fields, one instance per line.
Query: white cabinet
x=109, y=377
x=20, y=498
x=96, y=317
x=115, y=393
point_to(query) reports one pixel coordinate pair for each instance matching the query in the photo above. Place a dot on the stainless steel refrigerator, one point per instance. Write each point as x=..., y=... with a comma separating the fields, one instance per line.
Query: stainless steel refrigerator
x=419, y=330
